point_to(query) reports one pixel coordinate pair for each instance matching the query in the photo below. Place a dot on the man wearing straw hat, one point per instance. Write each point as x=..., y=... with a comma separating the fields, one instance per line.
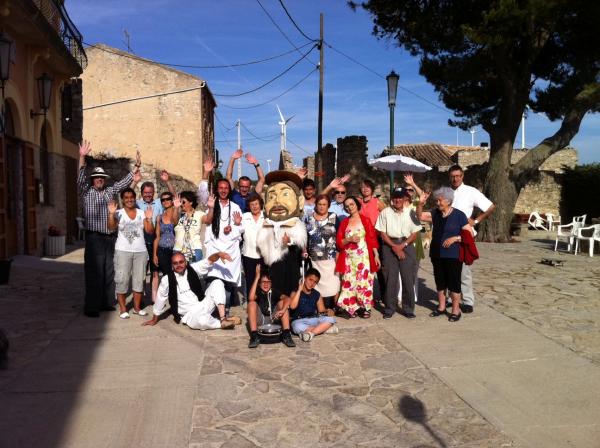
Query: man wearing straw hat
x=99, y=240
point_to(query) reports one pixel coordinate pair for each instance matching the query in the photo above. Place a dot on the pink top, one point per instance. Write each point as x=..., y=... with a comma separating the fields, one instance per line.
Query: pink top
x=370, y=209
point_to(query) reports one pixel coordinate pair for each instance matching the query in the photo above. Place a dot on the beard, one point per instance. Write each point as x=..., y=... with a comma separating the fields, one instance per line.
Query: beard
x=280, y=213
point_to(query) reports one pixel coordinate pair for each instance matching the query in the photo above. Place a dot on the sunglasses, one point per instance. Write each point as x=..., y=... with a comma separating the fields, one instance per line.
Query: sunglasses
x=339, y=192
x=165, y=199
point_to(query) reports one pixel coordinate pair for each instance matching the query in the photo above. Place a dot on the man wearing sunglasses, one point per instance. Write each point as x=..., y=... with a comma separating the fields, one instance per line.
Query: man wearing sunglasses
x=338, y=197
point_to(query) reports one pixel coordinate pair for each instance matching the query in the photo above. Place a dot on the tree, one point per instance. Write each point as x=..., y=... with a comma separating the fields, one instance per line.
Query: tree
x=489, y=59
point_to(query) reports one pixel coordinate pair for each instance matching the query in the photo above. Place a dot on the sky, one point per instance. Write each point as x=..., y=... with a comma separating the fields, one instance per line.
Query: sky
x=208, y=32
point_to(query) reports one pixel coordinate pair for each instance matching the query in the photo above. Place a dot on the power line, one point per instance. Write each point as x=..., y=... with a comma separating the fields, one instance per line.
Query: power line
x=271, y=80
x=241, y=64
x=266, y=138
x=275, y=98
x=146, y=97
x=279, y=28
x=300, y=147
x=221, y=123
x=294, y=22
x=383, y=77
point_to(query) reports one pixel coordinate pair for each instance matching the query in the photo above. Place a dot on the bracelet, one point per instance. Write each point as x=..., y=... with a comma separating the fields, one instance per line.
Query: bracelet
x=257, y=165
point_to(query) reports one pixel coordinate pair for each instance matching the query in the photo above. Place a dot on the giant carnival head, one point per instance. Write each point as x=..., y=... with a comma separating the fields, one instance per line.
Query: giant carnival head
x=283, y=199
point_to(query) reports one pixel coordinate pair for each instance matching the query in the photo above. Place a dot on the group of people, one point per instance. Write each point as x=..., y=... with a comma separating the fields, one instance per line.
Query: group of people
x=296, y=256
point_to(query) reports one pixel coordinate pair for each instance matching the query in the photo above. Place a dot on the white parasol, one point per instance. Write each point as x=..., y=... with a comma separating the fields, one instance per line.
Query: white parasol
x=399, y=163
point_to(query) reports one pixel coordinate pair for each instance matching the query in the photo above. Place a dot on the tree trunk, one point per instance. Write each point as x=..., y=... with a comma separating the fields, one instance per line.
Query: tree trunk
x=502, y=191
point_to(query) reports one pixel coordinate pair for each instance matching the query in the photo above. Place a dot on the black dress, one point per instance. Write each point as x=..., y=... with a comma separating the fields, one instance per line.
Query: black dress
x=285, y=273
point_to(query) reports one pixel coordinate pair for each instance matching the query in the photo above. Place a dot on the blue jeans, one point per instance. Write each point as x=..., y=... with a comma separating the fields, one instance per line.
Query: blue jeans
x=300, y=325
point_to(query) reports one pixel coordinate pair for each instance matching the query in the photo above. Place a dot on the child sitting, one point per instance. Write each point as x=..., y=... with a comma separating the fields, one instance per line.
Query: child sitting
x=308, y=310
x=266, y=305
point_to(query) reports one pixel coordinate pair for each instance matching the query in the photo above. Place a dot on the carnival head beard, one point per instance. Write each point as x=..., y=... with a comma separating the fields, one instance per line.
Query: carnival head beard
x=283, y=201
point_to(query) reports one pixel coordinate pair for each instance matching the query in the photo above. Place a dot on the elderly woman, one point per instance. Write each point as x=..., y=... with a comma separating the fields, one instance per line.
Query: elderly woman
x=358, y=261
x=321, y=228
x=444, y=251
x=252, y=221
x=131, y=254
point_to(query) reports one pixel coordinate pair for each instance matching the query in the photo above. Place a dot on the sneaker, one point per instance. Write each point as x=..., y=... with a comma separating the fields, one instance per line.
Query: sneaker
x=388, y=315
x=408, y=315
x=286, y=338
x=227, y=325
x=254, y=342
x=334, y=329
x=124, y=315
x=140, y=312
x=306, y=336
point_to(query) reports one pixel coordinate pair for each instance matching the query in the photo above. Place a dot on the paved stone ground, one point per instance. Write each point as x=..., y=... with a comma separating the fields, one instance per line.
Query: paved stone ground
x=73, y=381
x=562, y=303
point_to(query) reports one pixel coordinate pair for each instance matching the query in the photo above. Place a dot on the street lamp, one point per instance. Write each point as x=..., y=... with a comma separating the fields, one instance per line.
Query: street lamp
x=44, y=86
x=392, y=85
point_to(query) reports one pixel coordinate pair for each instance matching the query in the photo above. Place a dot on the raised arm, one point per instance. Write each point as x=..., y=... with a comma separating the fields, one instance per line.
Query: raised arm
x=203, y=193
x=421, y=215
x=210, y=203
x=259, y=173
x=336, y=183
x=229, y=174
x=252, y=293
x=164, y=176
x=120, y=185
x=408, y=180
x=83, y=185
x=112, y=222
x=296, y=296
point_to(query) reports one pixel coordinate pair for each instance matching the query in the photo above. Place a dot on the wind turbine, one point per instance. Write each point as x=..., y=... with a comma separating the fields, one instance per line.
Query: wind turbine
x=283, y=123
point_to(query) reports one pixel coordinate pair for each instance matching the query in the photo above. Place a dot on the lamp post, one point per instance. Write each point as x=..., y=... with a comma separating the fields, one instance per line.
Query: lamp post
x=44, y=86
x=392, y=85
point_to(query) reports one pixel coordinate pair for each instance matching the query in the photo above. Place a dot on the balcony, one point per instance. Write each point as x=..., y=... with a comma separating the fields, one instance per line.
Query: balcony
x=56, y=14
x=46, y=23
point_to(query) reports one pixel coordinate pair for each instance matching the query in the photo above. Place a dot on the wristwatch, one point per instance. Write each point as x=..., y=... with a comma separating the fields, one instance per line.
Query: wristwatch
x=256, y=165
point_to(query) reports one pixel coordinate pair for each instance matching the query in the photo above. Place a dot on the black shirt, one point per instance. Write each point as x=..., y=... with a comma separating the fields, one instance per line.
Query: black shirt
x=263, y=301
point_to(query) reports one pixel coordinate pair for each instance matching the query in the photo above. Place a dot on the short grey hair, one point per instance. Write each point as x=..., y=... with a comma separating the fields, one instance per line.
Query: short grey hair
x=445, y=192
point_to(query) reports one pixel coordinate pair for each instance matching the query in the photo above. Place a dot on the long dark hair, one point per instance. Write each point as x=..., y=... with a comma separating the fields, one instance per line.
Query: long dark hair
x=216, y=221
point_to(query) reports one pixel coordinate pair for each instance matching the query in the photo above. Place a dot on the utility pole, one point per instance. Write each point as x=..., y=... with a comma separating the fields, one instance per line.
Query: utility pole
x=321, y=67
x=239, y=147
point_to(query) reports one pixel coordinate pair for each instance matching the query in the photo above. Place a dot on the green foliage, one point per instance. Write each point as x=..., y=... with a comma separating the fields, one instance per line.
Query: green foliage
x=580, y=185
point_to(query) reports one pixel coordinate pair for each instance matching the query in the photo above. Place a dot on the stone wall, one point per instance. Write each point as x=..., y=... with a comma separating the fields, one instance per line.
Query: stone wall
x=555, y=163
x=309, y=164
x=174, y=130
x=325, y=163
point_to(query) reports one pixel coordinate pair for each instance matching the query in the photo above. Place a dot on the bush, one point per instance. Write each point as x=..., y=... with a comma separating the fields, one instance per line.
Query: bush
x=580, y=185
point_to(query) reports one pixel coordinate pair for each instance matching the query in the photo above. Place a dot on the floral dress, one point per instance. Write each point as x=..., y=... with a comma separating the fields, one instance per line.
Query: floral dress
x=357, y=280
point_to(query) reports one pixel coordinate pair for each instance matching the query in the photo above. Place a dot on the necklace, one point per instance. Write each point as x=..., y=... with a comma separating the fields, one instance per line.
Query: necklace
x=445, y=215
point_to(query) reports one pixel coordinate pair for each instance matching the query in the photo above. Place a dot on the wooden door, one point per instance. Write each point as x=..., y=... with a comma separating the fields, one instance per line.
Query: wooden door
x=3, y=201
x=30, y=188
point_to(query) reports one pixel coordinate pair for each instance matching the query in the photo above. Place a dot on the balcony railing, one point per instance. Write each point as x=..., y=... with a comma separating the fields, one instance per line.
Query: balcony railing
x=56, y=14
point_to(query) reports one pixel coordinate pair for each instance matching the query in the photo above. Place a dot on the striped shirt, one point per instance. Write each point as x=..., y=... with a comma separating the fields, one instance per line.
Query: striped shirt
x=95, y=202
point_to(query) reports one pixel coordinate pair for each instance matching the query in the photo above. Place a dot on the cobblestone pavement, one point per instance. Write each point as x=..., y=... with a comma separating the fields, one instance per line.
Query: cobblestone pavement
x=362, y=387
x=562, y=303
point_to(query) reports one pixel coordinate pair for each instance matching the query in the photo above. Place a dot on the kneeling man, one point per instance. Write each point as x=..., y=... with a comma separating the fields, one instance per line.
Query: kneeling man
x=188, y=300
x=265, y=305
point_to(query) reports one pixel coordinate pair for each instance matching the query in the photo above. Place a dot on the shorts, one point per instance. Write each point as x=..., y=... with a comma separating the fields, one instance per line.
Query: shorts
x=446, y=272
x=130, y=265
x=300, y=325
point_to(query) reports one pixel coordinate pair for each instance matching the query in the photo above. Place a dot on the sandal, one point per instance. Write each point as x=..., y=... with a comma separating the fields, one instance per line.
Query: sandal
x=454, y=317
x=366, y=315
x=436, y=313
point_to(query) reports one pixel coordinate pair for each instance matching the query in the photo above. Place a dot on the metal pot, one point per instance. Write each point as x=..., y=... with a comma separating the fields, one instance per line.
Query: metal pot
x=269, y=333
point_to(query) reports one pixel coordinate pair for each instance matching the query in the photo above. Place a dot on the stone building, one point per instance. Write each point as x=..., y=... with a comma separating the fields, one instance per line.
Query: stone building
x=38, y=148
x=168, y=115
x=542, y=193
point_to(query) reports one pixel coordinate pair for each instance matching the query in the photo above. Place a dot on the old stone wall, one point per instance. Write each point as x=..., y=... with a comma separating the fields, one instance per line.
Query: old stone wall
x=169, y=130
x=325, y=163
x=555, y=163
x=54, y=212
x=309, y=164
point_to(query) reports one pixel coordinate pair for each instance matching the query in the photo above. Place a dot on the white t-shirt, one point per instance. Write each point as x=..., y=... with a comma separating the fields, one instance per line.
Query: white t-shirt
x=466, y=198
x=130, y=237
x=251, y=228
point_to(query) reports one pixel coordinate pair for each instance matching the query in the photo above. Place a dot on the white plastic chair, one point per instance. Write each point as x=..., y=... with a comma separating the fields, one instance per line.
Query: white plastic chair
x=80, y=228
x=567, y=231
x=591, y=234
x=537, y=222
x=552, y=221
x=580, y=220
